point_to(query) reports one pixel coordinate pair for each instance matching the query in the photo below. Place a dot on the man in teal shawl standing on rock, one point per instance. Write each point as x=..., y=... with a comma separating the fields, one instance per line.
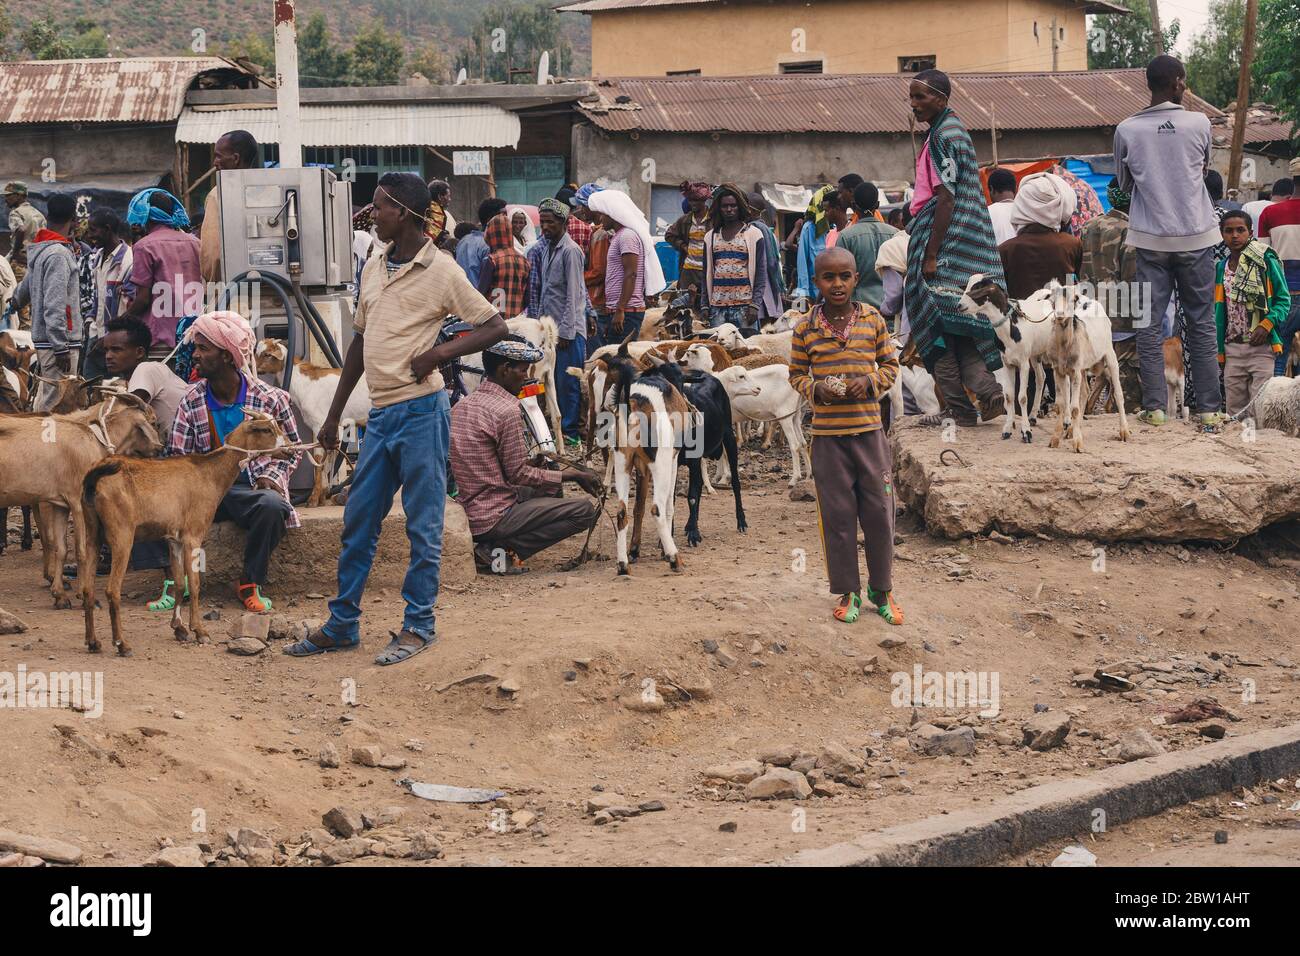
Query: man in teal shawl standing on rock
x=952, y=239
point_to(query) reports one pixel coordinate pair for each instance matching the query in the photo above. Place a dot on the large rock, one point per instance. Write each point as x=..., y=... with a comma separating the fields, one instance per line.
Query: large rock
x=933, y=741
x=306, y=556
x=1166, y=484
x=738, y=771
x=11, y=623
x=838, y=762
x=1134, y=745
x=779, y=784
x=55, y=851
x=177, y=856
x=1046, y=731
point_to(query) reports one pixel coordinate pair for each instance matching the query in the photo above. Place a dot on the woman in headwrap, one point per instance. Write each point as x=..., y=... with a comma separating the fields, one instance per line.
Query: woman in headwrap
x=597, y=250
x=521, y=225
x=818, y=235
x=1040, y=251
x=503, y=278
x=1087, y=206
x=735, y=261
x=951, y=240
x=632, y=270
x=165, y=268
x=686, y=235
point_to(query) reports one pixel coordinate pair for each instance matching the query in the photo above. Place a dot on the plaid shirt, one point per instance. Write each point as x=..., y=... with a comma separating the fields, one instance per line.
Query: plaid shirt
x=489, y=458
x=503, y=278
x=580, y=232
x=192, y=436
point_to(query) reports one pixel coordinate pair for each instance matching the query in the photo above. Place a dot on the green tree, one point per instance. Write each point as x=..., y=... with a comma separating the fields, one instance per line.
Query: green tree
x=377, y=57
x=43, y=40
x=320, y=62
x=512, y=35
x=5, y=27
x=1118, y=41
x=430, y=62
x=1275, y=74
x=255, y=48
x=1214, y=61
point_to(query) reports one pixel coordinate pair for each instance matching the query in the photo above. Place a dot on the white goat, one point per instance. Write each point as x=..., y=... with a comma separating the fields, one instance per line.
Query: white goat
x=1024, y=328
x=311, y=389
x=764, y=395
x=1277, y=405
x=1081, y=340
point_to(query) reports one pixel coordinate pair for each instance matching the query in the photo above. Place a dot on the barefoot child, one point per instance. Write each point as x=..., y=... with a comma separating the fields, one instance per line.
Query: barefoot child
x=842, y=362
x=1251, y=303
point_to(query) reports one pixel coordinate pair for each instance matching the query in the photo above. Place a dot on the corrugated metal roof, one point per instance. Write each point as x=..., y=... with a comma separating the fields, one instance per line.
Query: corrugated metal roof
x=1263, y=125
x=868, y=102
x=596, y=6
x=124, y=90
x=423, y=124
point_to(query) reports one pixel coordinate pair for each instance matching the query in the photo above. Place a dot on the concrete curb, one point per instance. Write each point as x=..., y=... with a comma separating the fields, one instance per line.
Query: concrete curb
x=1059, y=809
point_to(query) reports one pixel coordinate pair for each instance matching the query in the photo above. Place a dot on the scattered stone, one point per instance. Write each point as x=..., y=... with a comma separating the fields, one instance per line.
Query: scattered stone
x=838, y=762
x=1220, y=836
x=213, y=615
x=601, y=802
x=329, y=755
x=343, y=821
x=739, y=771
x=727, y=827
x=178, y=715
x=778, y=756
x=804, y=491
x=934, y=741
x=889, y=643
x=245, y=646
x=256, y=626
x=651, y=806
x=642, y=702
x=177, y=856
x=522, y=819
x=247, y=839
x=1046, y=731
x=710, y=646
x=1213, y=731
x=803, y=763
x=344, y=850
x=778, y=784
x=368, y=756
x=11, y=623
x=1075, y=856
x=603, y=817
x=1041, y=708
x=724, y=657
x=482, y=676
x=824, y=788
x=510, y=686
x=392, y=762
x=1135, y=745
x=570, y=676
x=388, y=816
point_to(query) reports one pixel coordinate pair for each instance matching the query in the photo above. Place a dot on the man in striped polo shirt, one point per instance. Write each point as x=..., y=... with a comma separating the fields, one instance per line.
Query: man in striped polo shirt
x=842, y=362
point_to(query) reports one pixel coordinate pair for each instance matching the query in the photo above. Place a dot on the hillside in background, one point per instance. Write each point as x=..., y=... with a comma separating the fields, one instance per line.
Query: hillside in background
x=161, y=27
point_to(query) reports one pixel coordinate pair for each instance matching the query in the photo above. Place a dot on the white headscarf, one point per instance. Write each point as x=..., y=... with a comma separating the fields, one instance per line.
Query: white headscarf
x=530, y=231
x=620, y=207
x=1045, y=199
x=892, y=254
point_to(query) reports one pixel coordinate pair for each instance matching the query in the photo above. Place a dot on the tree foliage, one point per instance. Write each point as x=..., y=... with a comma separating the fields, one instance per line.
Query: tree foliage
x=1122, y=41
x=320, y=62
x=377, y=57
x=44, y=39
x=1275, y=75
x=512, y=35
x=1214, y=60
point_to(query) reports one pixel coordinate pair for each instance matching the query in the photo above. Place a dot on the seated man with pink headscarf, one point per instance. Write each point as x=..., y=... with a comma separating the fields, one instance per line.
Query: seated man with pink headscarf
x=212, y=408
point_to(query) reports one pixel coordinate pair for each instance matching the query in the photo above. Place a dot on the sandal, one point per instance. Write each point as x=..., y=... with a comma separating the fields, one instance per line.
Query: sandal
x=167, y=602
x=886, y=607
x=254, y=603
x=850, y=612
x=485, y=562
x=396, y=651
x=318, y=642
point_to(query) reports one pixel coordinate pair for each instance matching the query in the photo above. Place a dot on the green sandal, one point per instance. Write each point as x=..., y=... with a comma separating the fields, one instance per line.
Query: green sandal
x=167, y=602
x=849, y=613
x=886, y=607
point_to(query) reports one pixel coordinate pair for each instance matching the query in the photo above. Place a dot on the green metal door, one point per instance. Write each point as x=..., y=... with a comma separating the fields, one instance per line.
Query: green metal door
x=527, y=180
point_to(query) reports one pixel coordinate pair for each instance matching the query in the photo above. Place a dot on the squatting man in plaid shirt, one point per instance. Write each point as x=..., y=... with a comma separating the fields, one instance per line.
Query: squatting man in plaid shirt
x=407, y=292
x=513, y=507
x=214, y=406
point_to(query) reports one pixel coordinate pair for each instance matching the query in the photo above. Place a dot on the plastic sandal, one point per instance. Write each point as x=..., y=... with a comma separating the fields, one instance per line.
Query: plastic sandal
x=886, y=607
x=167, y=602
x=254, y=602
x=849, y=613
x=396, y=651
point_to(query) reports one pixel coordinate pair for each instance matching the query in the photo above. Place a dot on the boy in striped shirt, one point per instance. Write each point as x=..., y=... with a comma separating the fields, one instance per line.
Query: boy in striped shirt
x=842, y=362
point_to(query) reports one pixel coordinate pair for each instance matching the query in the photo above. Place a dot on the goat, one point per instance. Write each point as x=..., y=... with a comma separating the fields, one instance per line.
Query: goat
x=543, y=334
x=1293, y=356
x=172, y=498
x=764, y=395
x=1081, y=339
x=1175, y=378
x=1024, y=337
x=1277, y=405
x=312, y=389
x=43, y=459
x=675, y=352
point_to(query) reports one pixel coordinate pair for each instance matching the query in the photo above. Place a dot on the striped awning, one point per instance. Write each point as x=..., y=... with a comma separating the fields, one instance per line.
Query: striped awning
x=478, y=125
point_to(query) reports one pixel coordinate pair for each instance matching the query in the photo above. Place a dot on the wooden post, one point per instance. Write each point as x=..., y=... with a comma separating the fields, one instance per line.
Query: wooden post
x=1056, y=46
x=1157, y=34
x=1243, y=96
x=994, y=123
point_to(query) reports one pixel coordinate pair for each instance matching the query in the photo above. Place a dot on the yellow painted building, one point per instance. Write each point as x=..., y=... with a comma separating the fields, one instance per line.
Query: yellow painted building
x=749, y=37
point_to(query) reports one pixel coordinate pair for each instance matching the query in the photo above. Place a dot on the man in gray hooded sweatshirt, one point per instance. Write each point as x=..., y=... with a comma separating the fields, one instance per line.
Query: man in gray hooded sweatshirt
x=51, y=287
x=1161, y=155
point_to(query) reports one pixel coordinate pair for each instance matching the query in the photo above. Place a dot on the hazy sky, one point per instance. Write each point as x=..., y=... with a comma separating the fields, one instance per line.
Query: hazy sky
x=1193, y=15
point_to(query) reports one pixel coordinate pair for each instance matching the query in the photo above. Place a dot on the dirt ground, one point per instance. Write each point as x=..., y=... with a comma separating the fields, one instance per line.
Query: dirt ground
x=194, y=741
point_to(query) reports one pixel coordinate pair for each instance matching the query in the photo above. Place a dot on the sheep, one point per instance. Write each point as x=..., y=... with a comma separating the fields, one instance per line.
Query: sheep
x=1081, y=339
x=43, y=459
x=1025, y=334
x=1277, y=405
x=172, y=498
x=777, y=343
x=312, y=389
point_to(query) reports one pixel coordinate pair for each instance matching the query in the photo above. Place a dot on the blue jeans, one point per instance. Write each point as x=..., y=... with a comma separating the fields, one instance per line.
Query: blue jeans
x=405, y=447
x=1287, y=334
x=1191, y=274
x=737, y=315
x=605, y=320
x=569, y=389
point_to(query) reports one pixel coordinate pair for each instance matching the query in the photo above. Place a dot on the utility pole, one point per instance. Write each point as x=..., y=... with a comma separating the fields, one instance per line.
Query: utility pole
x=286, y=81
x=1243, y=95
x=1158, y=34
x=1056, y=46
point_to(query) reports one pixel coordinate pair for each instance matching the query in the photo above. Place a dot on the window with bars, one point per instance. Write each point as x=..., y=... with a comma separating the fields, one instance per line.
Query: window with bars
x=803, y=66
x=915, y=64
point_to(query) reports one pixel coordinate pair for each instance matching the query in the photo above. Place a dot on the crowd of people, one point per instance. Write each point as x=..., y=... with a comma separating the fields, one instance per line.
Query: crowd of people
x=860, y=282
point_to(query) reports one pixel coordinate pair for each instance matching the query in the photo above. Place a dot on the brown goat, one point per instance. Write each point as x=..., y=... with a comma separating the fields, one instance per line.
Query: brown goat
x=675, y=351
x=171, y=498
